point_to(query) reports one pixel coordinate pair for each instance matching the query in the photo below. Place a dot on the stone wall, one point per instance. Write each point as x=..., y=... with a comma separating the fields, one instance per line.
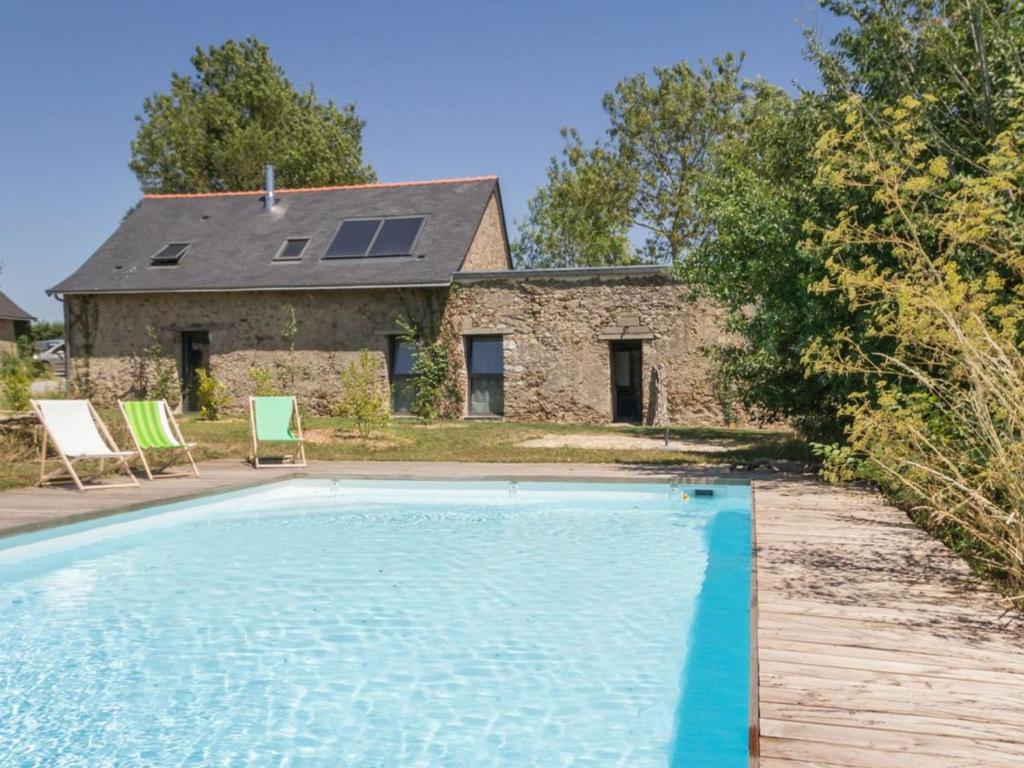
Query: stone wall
x=489, y=250
x=557, y=332
x=109, y=338
x=8, y=336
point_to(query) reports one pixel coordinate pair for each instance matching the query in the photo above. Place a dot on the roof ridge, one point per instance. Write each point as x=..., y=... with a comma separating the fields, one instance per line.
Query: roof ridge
x=375, y=185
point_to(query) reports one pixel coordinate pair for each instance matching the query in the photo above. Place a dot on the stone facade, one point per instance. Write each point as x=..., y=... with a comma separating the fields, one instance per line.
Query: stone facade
x=557, y=332
x=489, y=249
x=8, y=336
x=109, y=336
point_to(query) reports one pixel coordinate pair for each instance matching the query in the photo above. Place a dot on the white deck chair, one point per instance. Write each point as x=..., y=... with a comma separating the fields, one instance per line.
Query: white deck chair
x=78, y=434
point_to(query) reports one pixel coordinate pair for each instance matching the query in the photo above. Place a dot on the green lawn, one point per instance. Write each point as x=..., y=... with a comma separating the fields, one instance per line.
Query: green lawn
x=484, y=441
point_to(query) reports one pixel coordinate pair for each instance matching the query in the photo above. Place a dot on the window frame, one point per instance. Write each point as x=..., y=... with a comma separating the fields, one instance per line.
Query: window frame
x=155, y=261
x=394, y=340
x=279, y=257
x=472, y=377
x=381, y=221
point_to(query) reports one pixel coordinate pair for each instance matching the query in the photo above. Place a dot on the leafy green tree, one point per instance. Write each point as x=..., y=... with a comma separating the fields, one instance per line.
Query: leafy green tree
x=939, y=422
x=757, y=201
x=641, y=177
x=43, y=330
x=217, y=129
x=580, y=218
x=761, y=199
x=964, y=53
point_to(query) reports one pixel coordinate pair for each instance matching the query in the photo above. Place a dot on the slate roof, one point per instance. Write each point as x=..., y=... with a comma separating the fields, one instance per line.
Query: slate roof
x=11, y=311
x=234, y=239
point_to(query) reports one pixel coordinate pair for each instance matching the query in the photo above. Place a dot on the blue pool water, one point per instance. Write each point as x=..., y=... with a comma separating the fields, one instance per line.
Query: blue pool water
x=384, y=624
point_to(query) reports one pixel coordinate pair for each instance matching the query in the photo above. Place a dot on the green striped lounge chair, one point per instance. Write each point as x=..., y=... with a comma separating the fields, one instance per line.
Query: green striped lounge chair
x=153, y=428
x=276, y=420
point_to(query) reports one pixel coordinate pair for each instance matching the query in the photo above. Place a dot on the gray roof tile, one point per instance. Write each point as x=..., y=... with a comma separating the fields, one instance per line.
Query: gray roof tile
x=11, y=311
x=234, y=239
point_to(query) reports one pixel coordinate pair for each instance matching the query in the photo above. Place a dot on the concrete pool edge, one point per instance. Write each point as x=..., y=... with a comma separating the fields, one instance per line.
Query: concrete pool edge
x=119, y=501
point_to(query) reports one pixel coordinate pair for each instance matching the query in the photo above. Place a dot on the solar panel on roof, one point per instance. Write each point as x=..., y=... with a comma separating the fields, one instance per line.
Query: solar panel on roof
x=170, y=254
x=353, y=238
x=396, y=237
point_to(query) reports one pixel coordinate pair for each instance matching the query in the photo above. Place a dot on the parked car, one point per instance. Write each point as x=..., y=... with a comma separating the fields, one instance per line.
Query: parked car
x=45, y=344
x=53, y=358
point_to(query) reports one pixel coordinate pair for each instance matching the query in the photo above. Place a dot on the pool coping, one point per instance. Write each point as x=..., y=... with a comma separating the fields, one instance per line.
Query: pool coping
x=420, y=471
x=754, y=709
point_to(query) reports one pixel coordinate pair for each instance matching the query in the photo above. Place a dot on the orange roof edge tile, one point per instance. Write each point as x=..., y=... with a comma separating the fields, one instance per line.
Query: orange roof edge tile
x=378, y=185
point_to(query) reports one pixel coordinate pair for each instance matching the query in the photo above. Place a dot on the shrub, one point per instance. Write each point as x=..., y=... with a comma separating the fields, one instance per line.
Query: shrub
x=15, y=379
x=364, y=399
x=165, y=378
x=939, y=423
x=263, y=381
x=212, y=396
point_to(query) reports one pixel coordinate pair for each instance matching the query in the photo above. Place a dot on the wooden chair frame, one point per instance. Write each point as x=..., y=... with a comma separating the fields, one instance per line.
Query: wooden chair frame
x=185, y=447
x=70, y=475
x=297, y=459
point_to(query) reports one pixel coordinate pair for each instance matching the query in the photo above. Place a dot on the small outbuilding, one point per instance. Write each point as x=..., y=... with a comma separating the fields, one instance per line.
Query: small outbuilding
x=14, y=322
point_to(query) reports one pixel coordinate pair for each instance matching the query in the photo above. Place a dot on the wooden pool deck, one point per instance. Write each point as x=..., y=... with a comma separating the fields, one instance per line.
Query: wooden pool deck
x=875, y=647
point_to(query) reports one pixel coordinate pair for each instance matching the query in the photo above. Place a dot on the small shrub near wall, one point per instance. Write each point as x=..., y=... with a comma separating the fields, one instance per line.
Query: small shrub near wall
x=365, y=398
x=213, y=397
x=15, y=381
x=262, y=381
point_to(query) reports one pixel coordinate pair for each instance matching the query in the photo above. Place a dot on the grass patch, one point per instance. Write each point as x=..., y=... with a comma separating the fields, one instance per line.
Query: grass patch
x=480, y=441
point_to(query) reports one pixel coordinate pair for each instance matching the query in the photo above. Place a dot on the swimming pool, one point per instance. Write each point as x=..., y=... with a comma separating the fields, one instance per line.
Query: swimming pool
x=371, y=623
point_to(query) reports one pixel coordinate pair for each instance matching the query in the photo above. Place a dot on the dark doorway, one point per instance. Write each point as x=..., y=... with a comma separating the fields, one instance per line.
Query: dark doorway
x=627, y=380
x=195, y=354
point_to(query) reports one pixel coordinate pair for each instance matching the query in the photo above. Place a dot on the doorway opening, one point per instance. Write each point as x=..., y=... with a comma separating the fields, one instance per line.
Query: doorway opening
x=195, y=354
x=627, y=381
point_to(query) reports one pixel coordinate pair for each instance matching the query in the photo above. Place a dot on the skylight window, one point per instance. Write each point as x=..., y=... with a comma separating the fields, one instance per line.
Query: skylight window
x=358, y=238
x=292, y=249
x=170, y=254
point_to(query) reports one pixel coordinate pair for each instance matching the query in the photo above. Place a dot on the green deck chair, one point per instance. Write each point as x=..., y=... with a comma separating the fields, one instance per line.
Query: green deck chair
x=270, y=420
x=153, y=428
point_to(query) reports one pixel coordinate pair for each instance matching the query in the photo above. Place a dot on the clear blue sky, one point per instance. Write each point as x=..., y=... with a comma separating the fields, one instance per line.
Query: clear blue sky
x=447, y=88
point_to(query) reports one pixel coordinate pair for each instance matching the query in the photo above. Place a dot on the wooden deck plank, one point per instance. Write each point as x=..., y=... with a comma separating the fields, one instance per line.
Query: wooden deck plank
x=876, y=646
x=918, y=722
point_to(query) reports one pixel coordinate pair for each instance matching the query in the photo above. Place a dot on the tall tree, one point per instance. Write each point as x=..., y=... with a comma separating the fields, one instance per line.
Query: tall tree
x=757, y=200
x=580, y=218
x=641, y=177
x=217, y=129
x=766, y=209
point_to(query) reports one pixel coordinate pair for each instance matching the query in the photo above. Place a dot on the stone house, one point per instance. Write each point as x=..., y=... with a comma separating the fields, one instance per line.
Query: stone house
x=14, y=322
x=294, y=283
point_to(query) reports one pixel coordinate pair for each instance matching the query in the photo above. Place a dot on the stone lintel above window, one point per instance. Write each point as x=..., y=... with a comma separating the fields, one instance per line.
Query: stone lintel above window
x=495, y=331
x=625, y=333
